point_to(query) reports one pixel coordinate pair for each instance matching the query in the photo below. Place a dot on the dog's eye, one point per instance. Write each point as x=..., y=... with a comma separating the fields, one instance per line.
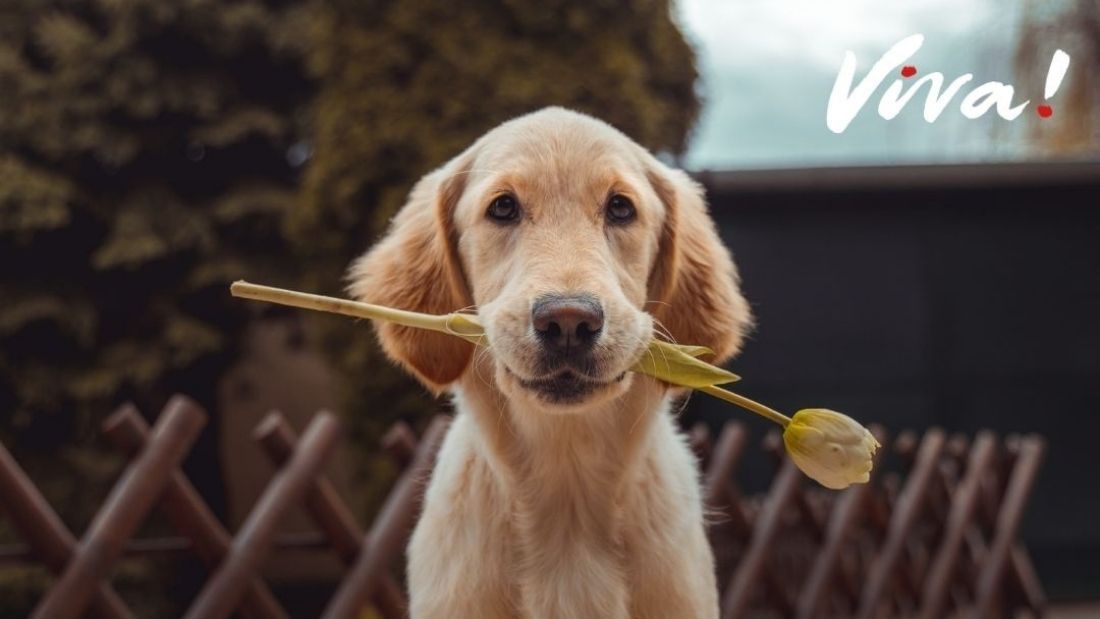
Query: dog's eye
x=620, y=209
x=503, y=209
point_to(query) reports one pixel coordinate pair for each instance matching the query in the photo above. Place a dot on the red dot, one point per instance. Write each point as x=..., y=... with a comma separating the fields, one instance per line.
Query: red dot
x=1044, y=111
x=908, y=71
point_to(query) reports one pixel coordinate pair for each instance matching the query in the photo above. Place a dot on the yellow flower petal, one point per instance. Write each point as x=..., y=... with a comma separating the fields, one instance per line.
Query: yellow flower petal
x=830, y=447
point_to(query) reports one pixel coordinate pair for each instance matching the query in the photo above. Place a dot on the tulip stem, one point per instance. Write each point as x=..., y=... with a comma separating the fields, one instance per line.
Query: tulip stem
x=333, y=305
x=751, y=405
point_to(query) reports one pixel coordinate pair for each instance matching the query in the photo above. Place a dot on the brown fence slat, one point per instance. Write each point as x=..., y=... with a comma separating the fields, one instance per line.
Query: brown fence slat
x=719, y=493
x=400, y=443
x=698, y=438
x=227, y=585
x=329, y=511
x=124, y=510
x=48, y=536
x=751, y=569
x=960, y=518
x=387, y=536
x=909, y=505
x=322, y=502
x=846, y=514
x=1008, y=523
x=189, y=514
x=170, y=547
x=1031, y=588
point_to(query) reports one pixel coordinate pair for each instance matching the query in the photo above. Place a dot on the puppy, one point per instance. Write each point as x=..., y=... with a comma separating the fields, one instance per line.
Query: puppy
x=563, y=489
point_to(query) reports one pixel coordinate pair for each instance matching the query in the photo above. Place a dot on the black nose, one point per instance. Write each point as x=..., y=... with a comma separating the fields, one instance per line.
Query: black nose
x=567, y=324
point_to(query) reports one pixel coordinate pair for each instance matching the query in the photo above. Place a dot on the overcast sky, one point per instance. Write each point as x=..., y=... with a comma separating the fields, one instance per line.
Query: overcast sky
x=768, y=67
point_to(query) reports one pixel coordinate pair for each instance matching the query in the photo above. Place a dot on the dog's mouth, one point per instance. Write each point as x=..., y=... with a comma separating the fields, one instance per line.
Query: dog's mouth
x=565, y=387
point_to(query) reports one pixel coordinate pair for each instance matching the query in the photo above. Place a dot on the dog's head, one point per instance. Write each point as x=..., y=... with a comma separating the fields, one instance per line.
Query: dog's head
x=573, y=243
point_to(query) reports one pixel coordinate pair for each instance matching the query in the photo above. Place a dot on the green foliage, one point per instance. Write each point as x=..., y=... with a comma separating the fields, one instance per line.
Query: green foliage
x=143, y=166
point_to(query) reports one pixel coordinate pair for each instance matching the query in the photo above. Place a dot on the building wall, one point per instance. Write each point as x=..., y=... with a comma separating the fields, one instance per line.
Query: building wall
x=959, y=306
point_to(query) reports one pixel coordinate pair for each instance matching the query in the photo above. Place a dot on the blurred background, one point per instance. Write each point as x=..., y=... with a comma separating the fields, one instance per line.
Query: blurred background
x=910, y=274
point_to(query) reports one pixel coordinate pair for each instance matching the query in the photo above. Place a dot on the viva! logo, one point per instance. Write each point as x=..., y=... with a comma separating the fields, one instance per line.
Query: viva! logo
x=845, y=102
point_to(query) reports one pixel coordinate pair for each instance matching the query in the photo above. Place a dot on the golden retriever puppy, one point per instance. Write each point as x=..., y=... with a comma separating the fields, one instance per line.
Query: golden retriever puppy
x=563, y=489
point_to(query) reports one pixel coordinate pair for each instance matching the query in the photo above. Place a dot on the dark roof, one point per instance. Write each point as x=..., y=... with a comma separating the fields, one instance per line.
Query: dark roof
x=968, y=175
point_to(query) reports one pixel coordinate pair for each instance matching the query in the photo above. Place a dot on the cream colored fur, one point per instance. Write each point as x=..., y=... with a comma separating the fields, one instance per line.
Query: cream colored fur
x=535, y=509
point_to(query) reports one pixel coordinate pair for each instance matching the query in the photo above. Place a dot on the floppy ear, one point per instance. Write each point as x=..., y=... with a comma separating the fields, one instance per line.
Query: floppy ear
x=416, y=267
x=694, y=281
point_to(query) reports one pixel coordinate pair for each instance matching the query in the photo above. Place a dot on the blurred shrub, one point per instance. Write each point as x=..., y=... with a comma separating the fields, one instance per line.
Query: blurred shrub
x=143, y=165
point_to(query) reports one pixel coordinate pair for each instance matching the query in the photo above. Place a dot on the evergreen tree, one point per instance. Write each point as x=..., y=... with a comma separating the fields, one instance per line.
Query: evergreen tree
x=143, y=165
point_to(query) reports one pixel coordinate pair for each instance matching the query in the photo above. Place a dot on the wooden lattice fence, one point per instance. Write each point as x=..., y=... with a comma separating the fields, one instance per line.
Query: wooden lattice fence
x=935, y=537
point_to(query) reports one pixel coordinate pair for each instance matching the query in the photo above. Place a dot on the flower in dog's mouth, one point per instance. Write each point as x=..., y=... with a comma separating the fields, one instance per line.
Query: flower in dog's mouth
x=831, y=448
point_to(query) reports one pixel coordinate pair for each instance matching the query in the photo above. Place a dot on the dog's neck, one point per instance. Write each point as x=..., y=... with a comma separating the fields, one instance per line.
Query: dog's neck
x=540, y=446
x=566, y=483
x=565, y=473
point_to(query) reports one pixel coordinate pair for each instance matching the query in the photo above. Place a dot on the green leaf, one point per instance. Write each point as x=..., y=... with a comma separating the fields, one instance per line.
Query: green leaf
x=678, y=365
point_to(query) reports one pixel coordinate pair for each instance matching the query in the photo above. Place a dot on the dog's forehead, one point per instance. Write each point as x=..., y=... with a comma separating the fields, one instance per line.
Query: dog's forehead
x=557, y=156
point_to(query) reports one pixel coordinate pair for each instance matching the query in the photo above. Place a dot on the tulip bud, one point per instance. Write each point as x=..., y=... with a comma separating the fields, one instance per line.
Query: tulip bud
x=832, y=448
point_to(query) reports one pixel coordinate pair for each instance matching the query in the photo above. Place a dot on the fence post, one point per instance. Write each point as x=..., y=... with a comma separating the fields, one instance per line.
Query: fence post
x=963, y=505
x=124, y=510
x=908, y=508
x=226, y=586
x=998, y=558
x=754, y=564
x=47, y=535
x=846, y=514
x=329, y=512
x=183, y=506
x=386, y=537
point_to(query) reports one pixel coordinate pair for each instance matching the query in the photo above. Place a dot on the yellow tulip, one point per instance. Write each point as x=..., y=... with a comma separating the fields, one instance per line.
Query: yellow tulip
x=831, y=448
